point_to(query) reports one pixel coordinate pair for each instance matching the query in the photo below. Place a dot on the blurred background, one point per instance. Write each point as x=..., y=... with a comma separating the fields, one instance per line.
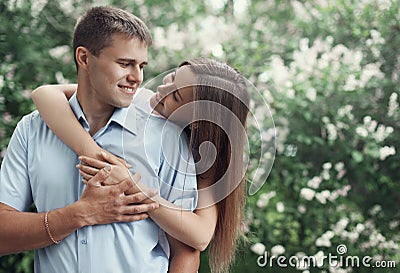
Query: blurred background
x=330, y=72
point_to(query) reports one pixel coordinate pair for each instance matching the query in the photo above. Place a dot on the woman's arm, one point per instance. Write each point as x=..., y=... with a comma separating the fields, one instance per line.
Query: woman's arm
x=53, y=106
x=195, y=229
x=192, y=228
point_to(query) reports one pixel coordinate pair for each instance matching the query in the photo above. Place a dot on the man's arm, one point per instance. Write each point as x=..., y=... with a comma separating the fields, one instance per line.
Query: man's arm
x=183, y=258
x=21, y=231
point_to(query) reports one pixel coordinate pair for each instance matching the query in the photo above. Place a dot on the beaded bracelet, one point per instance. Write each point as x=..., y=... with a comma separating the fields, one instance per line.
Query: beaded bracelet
x=46, y=226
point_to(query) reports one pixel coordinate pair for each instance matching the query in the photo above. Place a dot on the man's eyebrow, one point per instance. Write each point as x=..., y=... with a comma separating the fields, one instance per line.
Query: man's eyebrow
x=129, y=60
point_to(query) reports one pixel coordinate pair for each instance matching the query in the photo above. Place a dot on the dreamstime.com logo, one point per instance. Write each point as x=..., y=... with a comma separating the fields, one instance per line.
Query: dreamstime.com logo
x=338, y=260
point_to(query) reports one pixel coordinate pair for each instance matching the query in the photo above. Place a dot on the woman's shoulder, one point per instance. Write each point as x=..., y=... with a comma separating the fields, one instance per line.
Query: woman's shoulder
x=142, y=97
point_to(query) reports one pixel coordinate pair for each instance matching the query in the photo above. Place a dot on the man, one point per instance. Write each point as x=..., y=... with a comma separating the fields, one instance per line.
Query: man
x=90, y=229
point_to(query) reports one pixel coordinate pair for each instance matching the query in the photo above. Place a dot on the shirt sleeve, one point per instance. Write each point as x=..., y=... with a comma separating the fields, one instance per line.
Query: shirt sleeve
x=177, y=174
x=15, y=188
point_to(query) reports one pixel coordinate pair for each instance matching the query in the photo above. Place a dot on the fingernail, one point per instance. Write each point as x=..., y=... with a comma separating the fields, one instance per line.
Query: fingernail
x=107, y=168
x=103, y=153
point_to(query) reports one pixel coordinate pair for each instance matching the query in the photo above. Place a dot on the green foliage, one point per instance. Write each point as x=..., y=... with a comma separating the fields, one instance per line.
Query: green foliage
x=328, y=69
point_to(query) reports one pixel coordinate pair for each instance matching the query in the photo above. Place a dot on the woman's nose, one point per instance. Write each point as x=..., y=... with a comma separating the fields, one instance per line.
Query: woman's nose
x=166, y=89
x=168, y=78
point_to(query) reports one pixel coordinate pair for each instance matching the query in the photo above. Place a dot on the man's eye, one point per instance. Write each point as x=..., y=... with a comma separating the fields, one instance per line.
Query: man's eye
x=124, y=64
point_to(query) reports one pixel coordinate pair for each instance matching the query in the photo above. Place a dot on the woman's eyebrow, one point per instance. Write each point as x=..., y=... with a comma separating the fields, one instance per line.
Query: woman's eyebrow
x=173, y=75
x=179, y=94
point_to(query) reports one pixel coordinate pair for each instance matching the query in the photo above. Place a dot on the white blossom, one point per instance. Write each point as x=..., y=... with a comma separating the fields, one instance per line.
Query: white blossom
x=300, y=11
x=325, y=174
x=277, y=250
x=384, y=5
x=314, y=182
x=264, y=199
x=280, y=73
x=376, y=37
x=371, y=126
x=307, y=193
x=369, y=71
x=302, y=209
x=394, y=224
x=60, y=78
x=264, y=77
x=311, y=94
x=280, y=207
x=325, y=239
x=332, y=132
x=258, y=248
x=3, y=153
x=393, y=107
x=360, y=228
x=327, y=165
x=322, y=196
x=1, y=81
x=375, y=209
x=340, y=225
x=59, y=51
x=351, y=83
x=386, y=151
x=346, y=111
x=361, y=131
x=37, y=7
x=339, y=166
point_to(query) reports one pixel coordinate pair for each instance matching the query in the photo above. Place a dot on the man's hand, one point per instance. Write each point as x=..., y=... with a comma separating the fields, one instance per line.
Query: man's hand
x=104, y=204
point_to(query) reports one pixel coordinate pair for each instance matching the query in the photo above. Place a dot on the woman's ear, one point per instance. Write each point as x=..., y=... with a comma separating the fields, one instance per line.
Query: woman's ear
x=82, y=55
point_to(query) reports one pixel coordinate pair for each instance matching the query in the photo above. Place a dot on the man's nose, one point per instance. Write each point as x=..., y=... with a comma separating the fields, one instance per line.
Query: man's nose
x=135, y=75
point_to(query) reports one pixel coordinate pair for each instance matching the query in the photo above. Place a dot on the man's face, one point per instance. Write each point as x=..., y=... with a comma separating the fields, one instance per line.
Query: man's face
x=117, y=72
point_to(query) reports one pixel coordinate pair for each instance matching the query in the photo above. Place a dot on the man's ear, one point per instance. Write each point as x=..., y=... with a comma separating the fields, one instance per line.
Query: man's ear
x=82, y=56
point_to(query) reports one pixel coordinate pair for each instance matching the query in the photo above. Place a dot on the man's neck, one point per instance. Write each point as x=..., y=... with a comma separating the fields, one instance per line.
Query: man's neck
x=96, y=115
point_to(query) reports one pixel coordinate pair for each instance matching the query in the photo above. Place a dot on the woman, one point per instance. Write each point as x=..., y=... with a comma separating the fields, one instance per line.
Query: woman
x=210, y=100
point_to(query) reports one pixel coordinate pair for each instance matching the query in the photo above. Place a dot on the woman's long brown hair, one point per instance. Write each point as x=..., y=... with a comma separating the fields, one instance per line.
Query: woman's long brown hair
x=220, y=83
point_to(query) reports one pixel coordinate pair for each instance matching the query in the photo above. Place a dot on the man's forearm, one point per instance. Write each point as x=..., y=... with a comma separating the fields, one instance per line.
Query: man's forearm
x=21, y=231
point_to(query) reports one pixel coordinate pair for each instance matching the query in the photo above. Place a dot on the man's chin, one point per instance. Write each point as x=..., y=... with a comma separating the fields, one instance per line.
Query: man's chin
x=124, y=103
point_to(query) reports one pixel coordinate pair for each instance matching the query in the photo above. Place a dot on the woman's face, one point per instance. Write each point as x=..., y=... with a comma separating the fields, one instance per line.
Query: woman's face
x=176, y=91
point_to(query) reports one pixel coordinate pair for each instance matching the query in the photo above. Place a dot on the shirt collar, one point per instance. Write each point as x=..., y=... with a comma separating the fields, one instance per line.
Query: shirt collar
x=125, y=117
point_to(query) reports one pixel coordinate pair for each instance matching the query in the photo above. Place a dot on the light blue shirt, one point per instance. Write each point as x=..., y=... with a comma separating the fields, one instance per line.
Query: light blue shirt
x=40, y=168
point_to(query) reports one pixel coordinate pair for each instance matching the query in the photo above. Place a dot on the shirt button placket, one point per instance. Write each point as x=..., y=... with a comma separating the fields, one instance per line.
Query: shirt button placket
x=84, y=260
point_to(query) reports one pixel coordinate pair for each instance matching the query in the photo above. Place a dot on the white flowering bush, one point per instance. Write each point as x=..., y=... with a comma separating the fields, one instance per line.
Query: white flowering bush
x=335, y=94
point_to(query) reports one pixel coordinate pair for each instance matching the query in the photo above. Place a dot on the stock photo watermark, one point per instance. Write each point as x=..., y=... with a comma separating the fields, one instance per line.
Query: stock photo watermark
x=340, y=259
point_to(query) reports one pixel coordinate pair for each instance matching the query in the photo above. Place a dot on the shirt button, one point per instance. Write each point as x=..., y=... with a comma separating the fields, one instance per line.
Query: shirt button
x=83, y=242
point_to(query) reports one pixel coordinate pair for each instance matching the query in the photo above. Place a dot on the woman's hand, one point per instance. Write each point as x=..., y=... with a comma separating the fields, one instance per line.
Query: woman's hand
x=118, y=170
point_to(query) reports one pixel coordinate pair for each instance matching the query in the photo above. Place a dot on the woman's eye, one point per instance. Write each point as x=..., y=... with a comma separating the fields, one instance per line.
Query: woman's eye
x=174, y=96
